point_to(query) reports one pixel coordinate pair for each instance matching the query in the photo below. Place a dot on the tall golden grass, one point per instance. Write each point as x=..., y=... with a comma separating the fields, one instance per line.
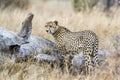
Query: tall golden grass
x=46, y=10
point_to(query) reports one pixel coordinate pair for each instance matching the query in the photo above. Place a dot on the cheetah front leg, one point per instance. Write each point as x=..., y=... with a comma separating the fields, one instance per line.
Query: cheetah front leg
x=66, y=63
x=70, y=55
x=69, y=63
x=62, y=51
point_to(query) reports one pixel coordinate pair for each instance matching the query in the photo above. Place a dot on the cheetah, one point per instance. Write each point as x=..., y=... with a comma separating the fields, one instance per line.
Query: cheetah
x=26, y=27
x=72, y=43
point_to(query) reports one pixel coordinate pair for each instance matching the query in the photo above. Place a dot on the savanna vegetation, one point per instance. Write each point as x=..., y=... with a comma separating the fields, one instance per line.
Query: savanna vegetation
x=73, y=15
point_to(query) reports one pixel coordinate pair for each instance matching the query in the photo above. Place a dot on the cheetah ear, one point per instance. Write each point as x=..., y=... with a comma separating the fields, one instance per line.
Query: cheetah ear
x=56, y=22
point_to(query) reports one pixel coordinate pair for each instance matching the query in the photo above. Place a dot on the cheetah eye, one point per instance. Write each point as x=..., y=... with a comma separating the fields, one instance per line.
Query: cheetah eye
x=50, y=26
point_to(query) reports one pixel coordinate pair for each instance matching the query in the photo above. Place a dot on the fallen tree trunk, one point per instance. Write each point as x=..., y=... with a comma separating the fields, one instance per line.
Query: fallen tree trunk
x=36, y=45
x=22, y=44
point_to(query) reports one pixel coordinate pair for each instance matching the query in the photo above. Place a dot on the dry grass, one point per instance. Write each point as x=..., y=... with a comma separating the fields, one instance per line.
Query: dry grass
x=105, y=27
x=35, y=71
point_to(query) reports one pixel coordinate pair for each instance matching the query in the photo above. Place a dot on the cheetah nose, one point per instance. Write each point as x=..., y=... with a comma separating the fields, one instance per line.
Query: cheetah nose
x=46, y=30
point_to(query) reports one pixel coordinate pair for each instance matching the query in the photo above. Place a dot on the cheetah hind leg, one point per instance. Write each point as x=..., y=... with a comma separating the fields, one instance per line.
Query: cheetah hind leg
x=88, y=65
x=88, y=62
x=95, y=55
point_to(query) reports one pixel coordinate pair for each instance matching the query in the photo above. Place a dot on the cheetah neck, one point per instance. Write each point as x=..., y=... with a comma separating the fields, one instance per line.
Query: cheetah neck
x=61, y=31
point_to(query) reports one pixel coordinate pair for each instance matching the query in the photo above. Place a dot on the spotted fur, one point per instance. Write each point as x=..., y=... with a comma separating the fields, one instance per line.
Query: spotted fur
x=75, y=42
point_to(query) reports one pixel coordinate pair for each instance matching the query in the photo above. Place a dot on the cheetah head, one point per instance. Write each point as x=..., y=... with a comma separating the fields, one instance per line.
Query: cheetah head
x=51, y=27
